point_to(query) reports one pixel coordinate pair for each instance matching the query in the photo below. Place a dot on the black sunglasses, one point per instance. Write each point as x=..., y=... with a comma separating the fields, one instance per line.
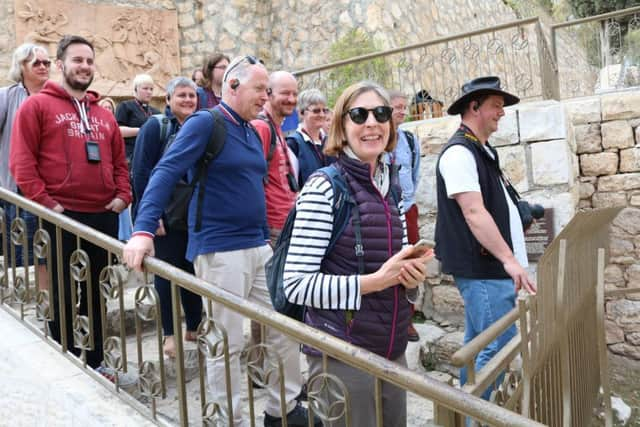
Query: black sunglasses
x=359, y=115
x=249, y=58
x=39, y=62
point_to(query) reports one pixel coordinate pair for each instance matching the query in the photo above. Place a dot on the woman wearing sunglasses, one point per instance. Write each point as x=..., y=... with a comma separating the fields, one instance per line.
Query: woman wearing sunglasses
x=308, y=141
x=358, y=297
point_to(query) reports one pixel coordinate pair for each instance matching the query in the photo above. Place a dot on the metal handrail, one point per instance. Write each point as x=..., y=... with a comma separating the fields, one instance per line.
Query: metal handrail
x=435, y=41
x=468, y=352
x=386, y=370
x=601, y=17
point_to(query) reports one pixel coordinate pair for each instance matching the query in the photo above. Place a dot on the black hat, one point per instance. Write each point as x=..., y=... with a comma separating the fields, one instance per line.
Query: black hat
x=489, y=85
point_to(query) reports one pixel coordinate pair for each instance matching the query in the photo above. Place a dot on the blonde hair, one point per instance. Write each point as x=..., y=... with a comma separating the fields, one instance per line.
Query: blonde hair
x=337, y=134
x=141, y=79
x=107, y=100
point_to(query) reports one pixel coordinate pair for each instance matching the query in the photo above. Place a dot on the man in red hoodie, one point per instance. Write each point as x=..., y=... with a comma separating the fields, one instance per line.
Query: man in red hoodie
x=68, y=155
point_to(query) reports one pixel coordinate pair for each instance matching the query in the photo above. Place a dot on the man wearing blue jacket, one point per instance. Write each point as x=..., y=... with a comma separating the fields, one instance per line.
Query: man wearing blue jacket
x=231, y=247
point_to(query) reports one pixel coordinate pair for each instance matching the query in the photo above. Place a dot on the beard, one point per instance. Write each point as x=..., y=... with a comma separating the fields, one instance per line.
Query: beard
x=75, y=84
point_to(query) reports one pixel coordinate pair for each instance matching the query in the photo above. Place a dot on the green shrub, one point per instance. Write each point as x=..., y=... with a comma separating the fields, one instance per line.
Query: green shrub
x=355, y=43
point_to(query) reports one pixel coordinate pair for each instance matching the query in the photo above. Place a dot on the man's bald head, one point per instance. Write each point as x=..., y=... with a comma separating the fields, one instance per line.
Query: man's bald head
x=281, y=77
x=283, y=95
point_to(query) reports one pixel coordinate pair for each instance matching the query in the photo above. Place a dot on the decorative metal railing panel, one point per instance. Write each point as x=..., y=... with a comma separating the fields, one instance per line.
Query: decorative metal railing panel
x=561, y=340
x=440, y=66
x=610, y=46
x=133, y=357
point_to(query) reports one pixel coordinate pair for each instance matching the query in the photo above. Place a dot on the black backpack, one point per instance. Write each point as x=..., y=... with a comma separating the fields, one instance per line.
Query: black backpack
x=176, y=213
x=343, y=207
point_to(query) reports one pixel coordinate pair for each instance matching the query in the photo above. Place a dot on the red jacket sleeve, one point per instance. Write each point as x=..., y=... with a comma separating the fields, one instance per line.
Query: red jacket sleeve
x=23, y=154
x=120, y=168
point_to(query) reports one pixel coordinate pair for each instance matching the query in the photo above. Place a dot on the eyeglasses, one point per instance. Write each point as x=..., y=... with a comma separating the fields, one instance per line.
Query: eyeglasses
x=249, y=58
x=39, y=62
x=319, y=110
x=221, y=67
x=359, y=115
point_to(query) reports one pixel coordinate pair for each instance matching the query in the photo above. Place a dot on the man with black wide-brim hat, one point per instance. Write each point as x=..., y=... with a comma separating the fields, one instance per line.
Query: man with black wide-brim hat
x=479, y=235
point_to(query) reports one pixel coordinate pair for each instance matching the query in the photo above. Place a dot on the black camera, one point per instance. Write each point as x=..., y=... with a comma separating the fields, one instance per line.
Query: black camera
x=529, y=212
x=93, y=151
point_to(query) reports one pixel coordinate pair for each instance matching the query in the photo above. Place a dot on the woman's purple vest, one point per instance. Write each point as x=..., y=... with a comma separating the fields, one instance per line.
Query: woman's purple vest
x=381, y=323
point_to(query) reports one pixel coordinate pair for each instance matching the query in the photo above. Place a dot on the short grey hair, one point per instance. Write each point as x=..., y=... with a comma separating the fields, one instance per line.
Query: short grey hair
x=310, y=97
x=23, y=54
x=141, y=79
x=238, y=68
x=394, y=94
x=177, y=82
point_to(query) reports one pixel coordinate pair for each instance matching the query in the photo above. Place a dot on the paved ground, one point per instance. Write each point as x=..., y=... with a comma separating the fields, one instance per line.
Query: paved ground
x=40, y=387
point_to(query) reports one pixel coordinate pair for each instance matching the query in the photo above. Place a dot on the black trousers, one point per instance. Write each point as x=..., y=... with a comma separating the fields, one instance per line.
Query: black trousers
x=172, y=248
x=105, y=222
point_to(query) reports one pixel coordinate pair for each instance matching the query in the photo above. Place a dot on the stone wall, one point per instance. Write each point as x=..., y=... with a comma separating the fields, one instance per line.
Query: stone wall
x=295, y=34
x=607, y=134
x=574, y=155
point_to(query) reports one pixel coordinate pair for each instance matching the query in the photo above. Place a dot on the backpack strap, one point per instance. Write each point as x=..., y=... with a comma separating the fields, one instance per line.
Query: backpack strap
x=164, y=123
x=214, y=147
x=272, y=144
x=412, y=146
x=344, y=207
x=294, y=140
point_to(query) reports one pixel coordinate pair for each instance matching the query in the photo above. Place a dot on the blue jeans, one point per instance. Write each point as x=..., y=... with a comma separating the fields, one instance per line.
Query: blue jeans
x=124, y=225
x=486, y=301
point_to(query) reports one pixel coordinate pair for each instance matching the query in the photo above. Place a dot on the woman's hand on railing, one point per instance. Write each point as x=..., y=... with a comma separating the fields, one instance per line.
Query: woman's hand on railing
x=136, y=249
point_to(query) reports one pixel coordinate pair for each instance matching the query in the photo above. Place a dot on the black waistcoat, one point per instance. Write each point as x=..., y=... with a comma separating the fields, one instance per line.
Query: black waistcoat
x=456, y=247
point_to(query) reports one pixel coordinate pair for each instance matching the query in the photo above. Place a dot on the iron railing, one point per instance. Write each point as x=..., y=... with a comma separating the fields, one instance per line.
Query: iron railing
x=441, y=65
x=561, y=337
x=20, y=297
x=610, y=45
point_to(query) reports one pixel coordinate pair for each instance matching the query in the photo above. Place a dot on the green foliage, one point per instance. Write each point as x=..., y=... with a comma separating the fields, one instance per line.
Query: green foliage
x=584, y=8
x=355, y=43
x=590, y=33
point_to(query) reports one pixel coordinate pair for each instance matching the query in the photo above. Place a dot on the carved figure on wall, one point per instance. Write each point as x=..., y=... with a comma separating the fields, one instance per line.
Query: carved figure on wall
x=46, y=27
x=128, y=41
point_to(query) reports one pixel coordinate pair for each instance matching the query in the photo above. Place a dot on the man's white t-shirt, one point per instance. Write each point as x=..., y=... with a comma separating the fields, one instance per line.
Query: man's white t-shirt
x=459, y=171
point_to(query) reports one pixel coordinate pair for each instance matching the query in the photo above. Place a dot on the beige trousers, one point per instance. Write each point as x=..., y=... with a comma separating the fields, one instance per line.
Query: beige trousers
x=242, y=273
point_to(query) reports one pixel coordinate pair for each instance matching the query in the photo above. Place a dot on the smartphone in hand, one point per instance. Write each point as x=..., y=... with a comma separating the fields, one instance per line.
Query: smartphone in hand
x=421, y=247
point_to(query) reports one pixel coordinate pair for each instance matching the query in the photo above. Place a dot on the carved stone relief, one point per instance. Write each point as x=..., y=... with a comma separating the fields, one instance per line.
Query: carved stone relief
x=127, y=41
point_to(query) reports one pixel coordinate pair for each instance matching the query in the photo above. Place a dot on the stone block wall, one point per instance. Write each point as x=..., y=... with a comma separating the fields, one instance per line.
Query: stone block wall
x=607, y=134
x=573, y=155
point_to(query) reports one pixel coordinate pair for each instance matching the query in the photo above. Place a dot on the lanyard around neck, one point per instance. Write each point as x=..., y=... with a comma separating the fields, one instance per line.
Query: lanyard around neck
x=144, y=108
x=81, y=109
